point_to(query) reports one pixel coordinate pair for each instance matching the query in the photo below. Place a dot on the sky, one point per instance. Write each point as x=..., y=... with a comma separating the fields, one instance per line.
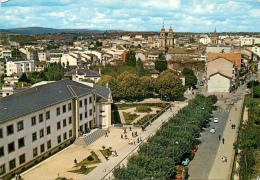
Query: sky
x=134, y=15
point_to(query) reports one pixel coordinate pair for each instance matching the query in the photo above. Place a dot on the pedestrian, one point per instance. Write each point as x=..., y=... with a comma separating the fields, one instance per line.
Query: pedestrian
x=223, y=140
x=125, y=136
x=223, y=159
x=125, y=131
x=16, y=176
x=134, y=142
x=140, y=139
x=219, y=137
x=116, y=153
x=122, y=136
x=106, y=134
x=75, y=161
x=137, y=140
x=19, y=177
x=234, y=126
x=136, y=133
x=226, y=159
x=106, y=157
x=130, y=129
x=132, y=134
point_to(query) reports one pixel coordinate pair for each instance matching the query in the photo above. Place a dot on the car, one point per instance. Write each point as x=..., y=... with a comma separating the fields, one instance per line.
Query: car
x=215, y=120
x=212, y=130
x=231, y=102
x=185, y=162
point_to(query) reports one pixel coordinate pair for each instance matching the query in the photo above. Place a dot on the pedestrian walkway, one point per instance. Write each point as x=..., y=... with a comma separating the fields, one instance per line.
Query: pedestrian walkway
x=59, y=164
x=220, y=169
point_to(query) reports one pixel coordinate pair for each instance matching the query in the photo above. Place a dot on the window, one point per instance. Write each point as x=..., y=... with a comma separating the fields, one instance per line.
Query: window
x=64, y=122
x=11, y=147
x=22, y=159
x=42, y=148
x=41, y=133
x=35, y=152
x=63, y=108
x=10, y=129
x=40, y=118
x=33, y=119
x=2, y=169
x=59, y=139
x=34, y=136
x=1, y=133
x=65, y=136
x=69, y=106
x=90, y=100
x=49, y=130
x=20, y=126
x=20, y=142
x=85, y=101
x=47, y=115
x=49, y=144
x=58, y=125
x=86, y=114
x=70, y=133
x=90, y=112
x=70, y=120
x=80, y=117
x=2, y=151
x=80, y=103
x=58, y=111
x=12, y=164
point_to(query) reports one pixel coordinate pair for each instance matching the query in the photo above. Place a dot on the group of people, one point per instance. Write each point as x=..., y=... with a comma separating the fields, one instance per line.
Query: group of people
x=18, y=177
x=224, y=159
x=233, y=126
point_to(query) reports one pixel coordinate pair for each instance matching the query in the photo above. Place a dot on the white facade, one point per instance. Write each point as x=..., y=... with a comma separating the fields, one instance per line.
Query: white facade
x=70, y=59
x=205, y=40
x=248, y=41
x=36, y=134
x=255, y=50
x=19, y=66
x=218, y=83
x=141, y=56
x=6, y=53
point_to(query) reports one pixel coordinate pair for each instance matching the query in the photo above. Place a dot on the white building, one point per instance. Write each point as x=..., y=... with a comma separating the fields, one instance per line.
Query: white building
x=47, y=118
x=14, y=66
x=248, y=41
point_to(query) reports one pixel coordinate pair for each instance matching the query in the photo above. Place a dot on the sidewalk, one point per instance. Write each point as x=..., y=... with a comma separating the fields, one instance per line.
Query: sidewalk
x=59, y=164
x=105, y=168
x=222, y=170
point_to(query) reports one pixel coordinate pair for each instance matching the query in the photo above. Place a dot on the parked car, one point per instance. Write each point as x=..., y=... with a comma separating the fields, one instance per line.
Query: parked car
x=215, y=120
x=212, y=130
x=185, y=162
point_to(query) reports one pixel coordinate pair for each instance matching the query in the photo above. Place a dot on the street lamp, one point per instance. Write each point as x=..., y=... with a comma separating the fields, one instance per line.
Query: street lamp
x=174, y=143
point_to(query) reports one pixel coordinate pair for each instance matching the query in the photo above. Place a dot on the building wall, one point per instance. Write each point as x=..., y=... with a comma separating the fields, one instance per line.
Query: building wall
x=218, y=83
x=222, y=66
x=19, y=67
x=234, y=57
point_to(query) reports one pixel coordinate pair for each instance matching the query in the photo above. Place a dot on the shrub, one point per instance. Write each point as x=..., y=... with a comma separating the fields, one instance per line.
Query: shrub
x=90, y=158
x=103, y=147
x=143, y=109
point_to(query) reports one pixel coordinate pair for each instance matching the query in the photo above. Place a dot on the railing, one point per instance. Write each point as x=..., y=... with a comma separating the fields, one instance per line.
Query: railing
x=107, y=176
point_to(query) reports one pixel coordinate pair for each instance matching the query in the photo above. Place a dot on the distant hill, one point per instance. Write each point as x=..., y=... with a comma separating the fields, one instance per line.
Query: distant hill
x=42, y=30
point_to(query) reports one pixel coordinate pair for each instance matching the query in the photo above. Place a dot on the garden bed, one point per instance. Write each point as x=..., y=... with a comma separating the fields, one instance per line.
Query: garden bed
x=129, y=117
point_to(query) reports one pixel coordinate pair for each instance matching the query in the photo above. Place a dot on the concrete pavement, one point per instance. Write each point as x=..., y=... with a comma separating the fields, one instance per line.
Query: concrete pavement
x=59, y=164
x=222, y=170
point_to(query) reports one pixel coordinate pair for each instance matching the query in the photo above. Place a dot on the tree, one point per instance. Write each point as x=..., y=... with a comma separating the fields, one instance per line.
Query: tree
x=161, y=64
x=170, y=85
x=147, y=86
x=140, y=68
x=23, y=78
x=190, y=78
x=130, y=58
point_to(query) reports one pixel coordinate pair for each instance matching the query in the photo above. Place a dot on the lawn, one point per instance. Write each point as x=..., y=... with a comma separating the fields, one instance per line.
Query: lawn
x=106, y=152
x=145, y=119
x=129, y=117
x=91, y=159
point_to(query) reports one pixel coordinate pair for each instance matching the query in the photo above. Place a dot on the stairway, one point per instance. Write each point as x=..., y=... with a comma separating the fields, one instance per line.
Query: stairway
x=92, y=137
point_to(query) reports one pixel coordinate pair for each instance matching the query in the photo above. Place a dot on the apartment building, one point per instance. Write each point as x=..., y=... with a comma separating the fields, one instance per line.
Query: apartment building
x=14, y=66
x=41, y=120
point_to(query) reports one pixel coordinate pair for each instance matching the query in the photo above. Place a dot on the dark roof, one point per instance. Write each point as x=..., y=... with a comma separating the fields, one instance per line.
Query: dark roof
x=88, y=72
x=102, y=91
x=39, y=97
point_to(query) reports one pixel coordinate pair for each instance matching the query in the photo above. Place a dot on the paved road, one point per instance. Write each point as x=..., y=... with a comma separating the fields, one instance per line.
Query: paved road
x=202, y=167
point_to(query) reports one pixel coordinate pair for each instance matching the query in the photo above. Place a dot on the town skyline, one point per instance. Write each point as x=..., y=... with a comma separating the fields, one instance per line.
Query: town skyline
x=183, y=16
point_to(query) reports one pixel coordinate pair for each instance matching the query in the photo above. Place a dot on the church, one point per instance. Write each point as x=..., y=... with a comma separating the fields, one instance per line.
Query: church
x=166, y=39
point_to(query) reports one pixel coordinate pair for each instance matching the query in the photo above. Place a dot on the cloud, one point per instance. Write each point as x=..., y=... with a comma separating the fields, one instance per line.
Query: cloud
x=134, y=15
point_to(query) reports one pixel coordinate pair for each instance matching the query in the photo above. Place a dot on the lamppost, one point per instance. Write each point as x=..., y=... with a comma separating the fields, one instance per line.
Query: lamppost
x=174, y=143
